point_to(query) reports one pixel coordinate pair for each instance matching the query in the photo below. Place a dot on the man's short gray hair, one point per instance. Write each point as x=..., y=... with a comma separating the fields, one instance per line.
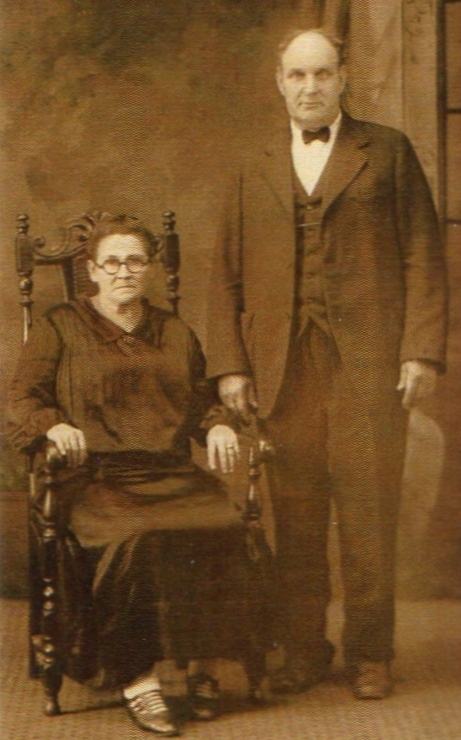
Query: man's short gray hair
x=334, y=41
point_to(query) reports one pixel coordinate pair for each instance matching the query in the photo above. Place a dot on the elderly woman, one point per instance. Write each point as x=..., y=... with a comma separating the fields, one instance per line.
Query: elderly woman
x=117, y=384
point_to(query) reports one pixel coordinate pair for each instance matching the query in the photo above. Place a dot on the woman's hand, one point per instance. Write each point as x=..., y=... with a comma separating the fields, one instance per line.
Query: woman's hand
x=223, y=448
x=70, y=442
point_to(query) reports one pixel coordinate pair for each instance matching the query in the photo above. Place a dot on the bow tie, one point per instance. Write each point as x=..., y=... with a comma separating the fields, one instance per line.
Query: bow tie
x=323, y=134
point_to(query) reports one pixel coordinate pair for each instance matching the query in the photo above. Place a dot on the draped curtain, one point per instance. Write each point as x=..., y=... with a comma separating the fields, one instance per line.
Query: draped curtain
x=373, y=33
x=392, y=65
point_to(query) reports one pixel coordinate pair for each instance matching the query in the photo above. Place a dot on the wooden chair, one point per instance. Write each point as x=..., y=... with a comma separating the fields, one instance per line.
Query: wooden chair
x=46, y=529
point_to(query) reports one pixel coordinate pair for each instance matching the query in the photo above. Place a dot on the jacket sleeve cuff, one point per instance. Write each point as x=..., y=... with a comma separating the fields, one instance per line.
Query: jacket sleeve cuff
x=219, y=414
x=28, y=438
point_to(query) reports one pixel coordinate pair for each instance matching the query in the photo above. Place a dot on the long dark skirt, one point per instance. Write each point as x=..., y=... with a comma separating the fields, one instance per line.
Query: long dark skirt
x=151, y=576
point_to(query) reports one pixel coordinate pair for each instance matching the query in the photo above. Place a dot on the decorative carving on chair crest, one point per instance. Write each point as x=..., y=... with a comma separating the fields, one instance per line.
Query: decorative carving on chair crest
x=74, y=235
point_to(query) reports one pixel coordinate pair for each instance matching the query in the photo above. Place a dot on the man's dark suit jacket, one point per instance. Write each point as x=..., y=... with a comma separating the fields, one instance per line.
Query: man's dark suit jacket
x=384, y=278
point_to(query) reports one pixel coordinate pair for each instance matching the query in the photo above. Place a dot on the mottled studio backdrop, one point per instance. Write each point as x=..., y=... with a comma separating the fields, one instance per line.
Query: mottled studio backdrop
x=136, y=106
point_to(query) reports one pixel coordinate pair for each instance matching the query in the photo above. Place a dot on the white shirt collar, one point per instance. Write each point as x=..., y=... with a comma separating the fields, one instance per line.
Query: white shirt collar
x=297, y=132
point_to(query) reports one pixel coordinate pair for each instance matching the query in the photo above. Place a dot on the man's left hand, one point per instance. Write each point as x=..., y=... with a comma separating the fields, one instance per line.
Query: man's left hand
x=417, y=381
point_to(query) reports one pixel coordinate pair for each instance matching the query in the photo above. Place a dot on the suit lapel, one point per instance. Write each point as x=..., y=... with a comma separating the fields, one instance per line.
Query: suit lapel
x=347, y=159
x=277, y=172
x=275, y=176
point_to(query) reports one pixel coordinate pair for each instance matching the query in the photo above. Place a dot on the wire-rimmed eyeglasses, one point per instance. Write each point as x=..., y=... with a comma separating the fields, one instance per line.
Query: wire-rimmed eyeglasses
x=133, y=264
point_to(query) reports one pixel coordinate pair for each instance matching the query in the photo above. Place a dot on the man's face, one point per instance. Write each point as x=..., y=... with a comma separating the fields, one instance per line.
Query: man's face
x=311, y=81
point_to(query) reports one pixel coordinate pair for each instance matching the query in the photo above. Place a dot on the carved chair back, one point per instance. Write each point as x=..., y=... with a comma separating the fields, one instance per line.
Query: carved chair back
x=46, y=535
x=71, y=256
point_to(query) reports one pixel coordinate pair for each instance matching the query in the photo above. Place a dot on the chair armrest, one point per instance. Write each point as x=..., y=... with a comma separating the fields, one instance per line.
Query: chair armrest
x=54, y=460
x=261, y=451
x=266, y=450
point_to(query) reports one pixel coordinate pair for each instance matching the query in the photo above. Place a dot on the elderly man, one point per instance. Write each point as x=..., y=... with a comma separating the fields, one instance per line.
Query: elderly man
x=327, y=317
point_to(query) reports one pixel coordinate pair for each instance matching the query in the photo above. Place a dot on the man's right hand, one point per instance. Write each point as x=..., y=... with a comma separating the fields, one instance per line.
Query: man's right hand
x=70, y=442
x=238, y=394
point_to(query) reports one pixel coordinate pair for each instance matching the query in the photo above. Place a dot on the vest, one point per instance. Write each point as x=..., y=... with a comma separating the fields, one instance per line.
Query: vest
x=310, y=300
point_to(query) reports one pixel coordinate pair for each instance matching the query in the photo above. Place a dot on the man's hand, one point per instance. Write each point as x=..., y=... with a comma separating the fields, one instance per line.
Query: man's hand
x=237, y=393
x=70, y=442
x=222, y=448
x=417, y=381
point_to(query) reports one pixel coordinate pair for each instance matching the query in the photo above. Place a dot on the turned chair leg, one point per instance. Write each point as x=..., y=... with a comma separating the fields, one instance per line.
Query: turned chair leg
x=255, y=669
x=52, y=682
x=47, y=642
x=49, y=672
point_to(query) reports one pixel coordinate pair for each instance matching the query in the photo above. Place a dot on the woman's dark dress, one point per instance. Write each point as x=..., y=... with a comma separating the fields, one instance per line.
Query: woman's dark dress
x=160, y=566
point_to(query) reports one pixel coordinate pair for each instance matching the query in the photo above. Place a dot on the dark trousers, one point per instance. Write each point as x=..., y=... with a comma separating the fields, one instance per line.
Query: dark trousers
x=332, y=439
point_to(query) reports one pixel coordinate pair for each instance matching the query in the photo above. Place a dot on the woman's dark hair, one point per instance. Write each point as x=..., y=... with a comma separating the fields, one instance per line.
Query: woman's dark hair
x=107, y=224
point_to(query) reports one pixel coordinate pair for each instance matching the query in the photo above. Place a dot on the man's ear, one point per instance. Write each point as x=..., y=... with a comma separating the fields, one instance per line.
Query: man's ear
x=343, y=77
x=279, y=81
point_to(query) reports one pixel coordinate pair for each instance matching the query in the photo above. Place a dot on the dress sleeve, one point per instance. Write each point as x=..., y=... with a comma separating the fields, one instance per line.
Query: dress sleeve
x=32, y=407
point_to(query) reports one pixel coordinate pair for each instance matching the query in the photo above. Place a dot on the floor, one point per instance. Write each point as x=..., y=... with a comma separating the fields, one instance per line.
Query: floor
x=426, y=704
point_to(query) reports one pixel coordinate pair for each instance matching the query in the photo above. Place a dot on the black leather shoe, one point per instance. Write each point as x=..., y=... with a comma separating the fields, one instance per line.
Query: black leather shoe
x=203, y=693
x=150, y=712
x=371, y=680
x=294, y=678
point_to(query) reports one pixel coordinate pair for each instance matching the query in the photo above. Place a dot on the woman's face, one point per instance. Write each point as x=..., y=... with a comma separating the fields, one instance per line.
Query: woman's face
x=121, y=268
